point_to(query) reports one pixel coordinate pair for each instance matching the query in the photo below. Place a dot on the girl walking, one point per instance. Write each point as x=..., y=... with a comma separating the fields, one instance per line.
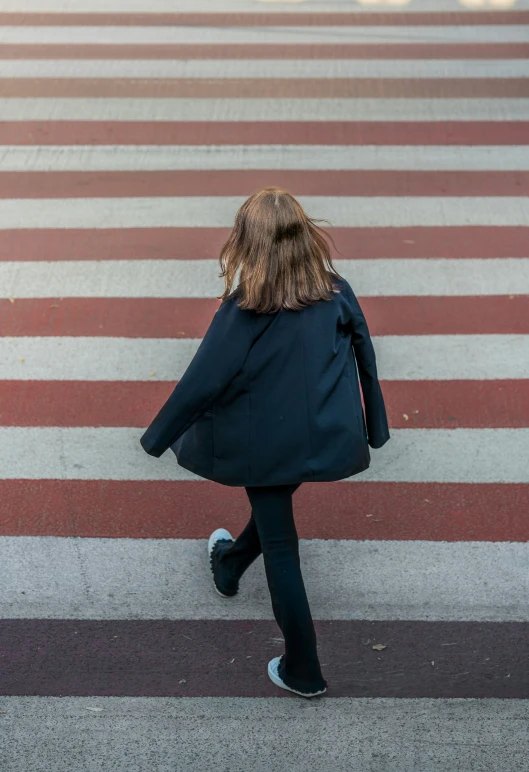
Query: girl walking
x=271, y=400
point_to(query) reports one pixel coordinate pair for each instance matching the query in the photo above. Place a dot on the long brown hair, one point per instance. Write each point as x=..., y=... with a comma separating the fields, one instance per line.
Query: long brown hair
x=283, y=257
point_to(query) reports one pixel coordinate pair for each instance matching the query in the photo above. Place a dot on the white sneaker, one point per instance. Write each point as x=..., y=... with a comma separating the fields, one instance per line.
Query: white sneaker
x=274, y=677
x=220, y=533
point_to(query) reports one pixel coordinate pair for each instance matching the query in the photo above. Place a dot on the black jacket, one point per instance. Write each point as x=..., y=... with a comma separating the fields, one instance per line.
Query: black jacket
x=272, y=399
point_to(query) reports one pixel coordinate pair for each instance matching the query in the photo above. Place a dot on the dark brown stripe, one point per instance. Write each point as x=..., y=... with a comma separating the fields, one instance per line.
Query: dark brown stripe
x=264, y=133
x=244, y=182
x=265, y=51
x=205, y=243
x=164, y=658
x=266, y=88
x=265, y=19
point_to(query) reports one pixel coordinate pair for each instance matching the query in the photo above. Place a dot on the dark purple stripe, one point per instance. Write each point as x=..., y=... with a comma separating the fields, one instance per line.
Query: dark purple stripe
x=206, y=658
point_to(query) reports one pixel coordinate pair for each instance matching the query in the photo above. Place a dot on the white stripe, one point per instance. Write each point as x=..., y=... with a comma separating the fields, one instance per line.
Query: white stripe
x=161, y=35
x=133, y=733
x=90, y=158
x=412, y=455
x=438, y=734
x=387, y=110
x=251, y=6
x=256, y=68
x=85, y=578
x=200, y=278
x=401, y=357
x=219, y=211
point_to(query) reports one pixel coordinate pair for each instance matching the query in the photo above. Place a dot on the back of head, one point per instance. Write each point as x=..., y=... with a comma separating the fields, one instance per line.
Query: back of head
x=281, y=255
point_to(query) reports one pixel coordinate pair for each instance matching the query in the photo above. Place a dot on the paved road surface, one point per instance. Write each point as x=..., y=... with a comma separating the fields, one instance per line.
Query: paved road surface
x=128, y=139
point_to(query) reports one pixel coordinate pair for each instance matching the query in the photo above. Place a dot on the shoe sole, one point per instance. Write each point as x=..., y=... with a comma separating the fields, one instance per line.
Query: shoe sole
x=220, y=533
x=282, y=685
x=227, y=597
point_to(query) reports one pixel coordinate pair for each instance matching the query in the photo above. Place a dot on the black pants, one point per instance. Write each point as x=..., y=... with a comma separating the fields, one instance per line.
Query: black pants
x=272, y=531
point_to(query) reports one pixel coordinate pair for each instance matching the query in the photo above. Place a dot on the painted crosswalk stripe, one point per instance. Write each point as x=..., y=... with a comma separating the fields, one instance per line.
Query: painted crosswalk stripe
x=345, y=135
x=190, y=317
x=219, y=211
x=225, y=35
x=470, y=134
x=157, y=579
x=205, y=158
x=253, y=68
x=399, y=51
x=423, y=404
x=300, y=88
x=373, y=511
x=463, y=722
x=200, y=278
x=365, y=183
x=263, y=110
x=401, y=357
x=190, y=244
x=244, y=13
x=440, y=455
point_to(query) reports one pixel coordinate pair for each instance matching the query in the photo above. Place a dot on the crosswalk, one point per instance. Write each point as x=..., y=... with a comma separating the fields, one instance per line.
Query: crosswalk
x=130, y=134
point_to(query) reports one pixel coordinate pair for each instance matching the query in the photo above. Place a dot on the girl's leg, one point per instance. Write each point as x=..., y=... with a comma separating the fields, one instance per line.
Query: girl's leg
x=231, y=559
x=274, y=520
x=234, y=558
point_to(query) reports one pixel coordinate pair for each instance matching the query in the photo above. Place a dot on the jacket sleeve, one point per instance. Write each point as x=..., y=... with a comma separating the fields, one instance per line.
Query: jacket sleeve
x=219, y=357
x=376, y=419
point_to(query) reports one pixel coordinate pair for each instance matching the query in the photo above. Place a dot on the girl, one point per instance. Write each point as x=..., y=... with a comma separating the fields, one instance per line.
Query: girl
x=271, y=400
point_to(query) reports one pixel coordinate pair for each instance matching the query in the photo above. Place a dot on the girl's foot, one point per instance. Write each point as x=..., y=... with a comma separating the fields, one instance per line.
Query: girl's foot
x=275, y=678
x=218, y=542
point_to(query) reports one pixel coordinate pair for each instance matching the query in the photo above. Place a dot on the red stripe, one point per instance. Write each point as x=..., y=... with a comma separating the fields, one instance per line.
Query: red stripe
x=264, y=133
x=205, y=243
x=265, y=19
x=118, y=317
x=265, y=88
x=457, y=404
x=190, y=317
x=161, y=510
x=451, y=315
x=265, y=51
x=410, y=404
x=58, y=184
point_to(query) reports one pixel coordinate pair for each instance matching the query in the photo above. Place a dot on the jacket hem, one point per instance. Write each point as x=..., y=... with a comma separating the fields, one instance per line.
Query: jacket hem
x=240, y=482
